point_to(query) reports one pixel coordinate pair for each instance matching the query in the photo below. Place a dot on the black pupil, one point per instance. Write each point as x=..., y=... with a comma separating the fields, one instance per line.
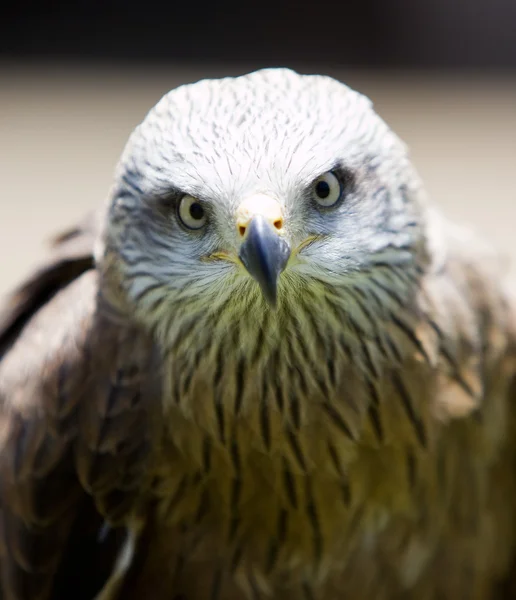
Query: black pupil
x=196, y=211
x=322, y=189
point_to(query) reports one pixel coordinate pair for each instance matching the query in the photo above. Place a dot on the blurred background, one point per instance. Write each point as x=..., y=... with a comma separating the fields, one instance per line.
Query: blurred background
x=77, y=76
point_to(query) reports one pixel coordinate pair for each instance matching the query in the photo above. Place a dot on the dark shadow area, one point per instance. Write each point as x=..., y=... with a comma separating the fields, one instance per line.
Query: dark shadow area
x=433, y=34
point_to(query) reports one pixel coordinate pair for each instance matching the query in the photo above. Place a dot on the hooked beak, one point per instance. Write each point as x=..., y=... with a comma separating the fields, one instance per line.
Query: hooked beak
x=263, y=252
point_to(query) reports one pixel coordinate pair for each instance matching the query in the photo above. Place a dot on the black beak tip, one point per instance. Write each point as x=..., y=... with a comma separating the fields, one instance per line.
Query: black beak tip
x=271, y=295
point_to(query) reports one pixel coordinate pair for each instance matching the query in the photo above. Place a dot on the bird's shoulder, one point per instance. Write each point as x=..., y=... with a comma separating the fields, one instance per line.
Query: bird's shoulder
x=72, y=370
x=68, y=256
x=79, y=418
x=469, y=298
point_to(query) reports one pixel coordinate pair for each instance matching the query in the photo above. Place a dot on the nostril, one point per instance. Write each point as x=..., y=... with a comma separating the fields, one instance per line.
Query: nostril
x=241, y=230
x=278, y=223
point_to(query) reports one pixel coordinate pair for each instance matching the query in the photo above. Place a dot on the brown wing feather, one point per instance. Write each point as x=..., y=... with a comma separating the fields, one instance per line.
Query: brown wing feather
x=77, y=425
x=71, y=255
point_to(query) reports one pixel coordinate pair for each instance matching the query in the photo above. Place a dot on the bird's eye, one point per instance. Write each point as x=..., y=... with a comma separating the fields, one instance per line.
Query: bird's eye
x=327, y=190
x=191, y=212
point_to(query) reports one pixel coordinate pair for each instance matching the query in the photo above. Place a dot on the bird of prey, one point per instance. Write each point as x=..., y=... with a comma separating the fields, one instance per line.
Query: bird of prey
x=267, y=368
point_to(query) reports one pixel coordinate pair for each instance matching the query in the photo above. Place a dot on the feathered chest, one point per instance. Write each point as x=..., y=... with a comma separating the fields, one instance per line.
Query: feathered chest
x=269, y=463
